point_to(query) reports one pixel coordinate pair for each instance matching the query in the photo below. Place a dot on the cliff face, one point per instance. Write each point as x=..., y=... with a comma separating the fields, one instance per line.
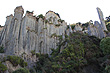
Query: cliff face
x=24, y=34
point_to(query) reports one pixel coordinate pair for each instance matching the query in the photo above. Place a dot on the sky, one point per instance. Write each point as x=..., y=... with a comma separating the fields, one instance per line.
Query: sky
x=72, y=11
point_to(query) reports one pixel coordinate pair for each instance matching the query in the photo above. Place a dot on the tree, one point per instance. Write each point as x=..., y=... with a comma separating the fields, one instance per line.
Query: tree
x=21, y=70
x=40, y=16
x=108, y=19
x=108, y=26
x=85, y=24
x=79, y=23
x=2, y=68
x=105, y=45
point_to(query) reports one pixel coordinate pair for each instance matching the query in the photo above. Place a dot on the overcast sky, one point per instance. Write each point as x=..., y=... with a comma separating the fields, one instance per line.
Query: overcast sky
x=72, y=11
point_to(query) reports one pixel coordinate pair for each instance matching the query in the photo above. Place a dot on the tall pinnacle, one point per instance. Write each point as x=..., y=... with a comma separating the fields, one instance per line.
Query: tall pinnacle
x=100, y=13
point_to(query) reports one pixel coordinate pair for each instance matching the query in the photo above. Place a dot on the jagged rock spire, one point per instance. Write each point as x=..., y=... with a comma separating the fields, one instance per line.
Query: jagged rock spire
x=100, y=13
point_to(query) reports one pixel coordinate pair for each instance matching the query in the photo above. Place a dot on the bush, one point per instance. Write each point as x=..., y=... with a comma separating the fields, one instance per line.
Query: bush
x=60, y=20
x=72, y=26
x=21, y=70
x=33, y=52
x=15, y=60
x=105, y=45
x=2, y=67
x=46, y=21
x=2, y=49
x=40, y=16
x=77, y=53
x=108, y=26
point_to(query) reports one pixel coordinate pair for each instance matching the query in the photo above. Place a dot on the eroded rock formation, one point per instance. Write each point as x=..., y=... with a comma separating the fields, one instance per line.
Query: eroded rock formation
x=98, y=29
x=24, y=34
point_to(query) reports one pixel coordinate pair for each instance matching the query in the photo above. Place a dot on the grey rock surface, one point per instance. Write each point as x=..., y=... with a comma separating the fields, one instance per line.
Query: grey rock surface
x=25, y=34
x=101, y=17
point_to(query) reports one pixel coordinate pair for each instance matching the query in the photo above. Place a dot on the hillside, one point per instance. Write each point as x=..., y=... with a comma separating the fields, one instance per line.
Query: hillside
x=46, y=44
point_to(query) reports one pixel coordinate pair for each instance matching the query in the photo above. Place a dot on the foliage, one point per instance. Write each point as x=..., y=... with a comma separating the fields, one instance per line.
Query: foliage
x=57, y=14
x=2, y=49
x=33, y=52
x=72, y=26
x=79, y=51
x=85, y=24
x=108, y=26
x=107, y=69
x=21, y=70
x=29, y=12
x=105, y=45
x=79, y=23
x=60, y=20
x=57, y=24
x=15, y=60
x=108, y=19
x=40, y=16
x=2, y=68
x=54, y=35
x=106, y=31
x=46, y=21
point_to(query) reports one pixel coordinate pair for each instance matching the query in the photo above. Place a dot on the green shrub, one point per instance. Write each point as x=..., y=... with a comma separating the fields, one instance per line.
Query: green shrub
x=29, y=12
x=72, y=26
x=106, y=31
x=60, y=20
x=15, y=60
x=40, y=16
x=33, y=52
x=72, y=58
x=108, y=26
x=57, y=24
x=21, y=70
x=2, y=68
x=2, y=49
x=105, y=45
x=107, y=69
x=46, y=21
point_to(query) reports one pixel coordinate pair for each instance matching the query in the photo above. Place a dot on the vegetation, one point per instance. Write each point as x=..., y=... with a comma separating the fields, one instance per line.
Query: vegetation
x=40, y=16
x=108, y=26
x=105, y=45
x=78, y=53
x=60, y=20
x=106, y=31
x=72, y=26
x=33, y=52
x=15, y=60
x=30, y=12
x=79, y=23
x=21, y=70
x=108, y=19
x=46, y=21
x=57, y=24
x=2, y=49
x=107, y=22
x=54, y=35
x=2, y=68
x=85, y=25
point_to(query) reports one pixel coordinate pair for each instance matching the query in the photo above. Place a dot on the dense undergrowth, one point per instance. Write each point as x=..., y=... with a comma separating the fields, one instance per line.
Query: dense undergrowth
x=82, y=54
